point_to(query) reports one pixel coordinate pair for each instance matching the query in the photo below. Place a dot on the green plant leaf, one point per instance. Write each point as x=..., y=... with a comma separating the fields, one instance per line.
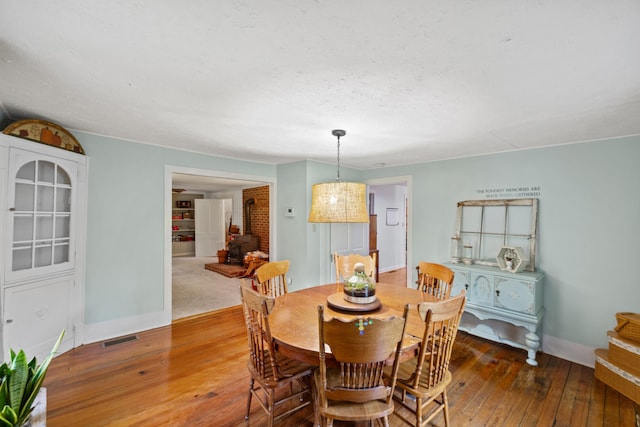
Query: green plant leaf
x=4, y=391
x=36, y=380
x=18, y=380
x=9, y=416
x=25, y=417
x=20, y=383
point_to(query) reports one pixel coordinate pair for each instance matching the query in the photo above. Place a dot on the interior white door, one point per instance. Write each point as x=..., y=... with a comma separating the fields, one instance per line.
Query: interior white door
x=210, y=226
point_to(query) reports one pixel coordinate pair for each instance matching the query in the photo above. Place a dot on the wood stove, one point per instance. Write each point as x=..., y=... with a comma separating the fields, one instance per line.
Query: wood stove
x=239, y=246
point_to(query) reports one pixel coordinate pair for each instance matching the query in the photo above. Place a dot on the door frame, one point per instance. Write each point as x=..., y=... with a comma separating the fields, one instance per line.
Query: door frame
x=169, y=170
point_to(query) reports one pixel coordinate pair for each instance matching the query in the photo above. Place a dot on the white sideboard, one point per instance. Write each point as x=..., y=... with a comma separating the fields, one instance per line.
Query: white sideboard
x=502, y=306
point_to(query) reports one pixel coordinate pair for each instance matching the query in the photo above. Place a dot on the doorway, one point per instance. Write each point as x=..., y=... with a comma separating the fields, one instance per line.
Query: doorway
x=189, y=269
x=394, y=223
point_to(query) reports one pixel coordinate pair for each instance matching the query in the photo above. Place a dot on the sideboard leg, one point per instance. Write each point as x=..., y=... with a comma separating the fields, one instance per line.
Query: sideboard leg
x=533, y=343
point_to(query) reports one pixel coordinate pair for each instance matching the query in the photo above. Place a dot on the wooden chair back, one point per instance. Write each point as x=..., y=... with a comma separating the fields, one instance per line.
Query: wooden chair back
x=361, y=348
x=272, y=278
x=422, y=381
x=345, y=265
x=271, y=372
x=261, y=352
x=435, y=279
x=441, y=321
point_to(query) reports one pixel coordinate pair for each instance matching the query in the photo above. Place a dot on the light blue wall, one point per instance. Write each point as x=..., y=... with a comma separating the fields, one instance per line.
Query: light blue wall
x=125, y=224
x=589, y=224
x=292, y=231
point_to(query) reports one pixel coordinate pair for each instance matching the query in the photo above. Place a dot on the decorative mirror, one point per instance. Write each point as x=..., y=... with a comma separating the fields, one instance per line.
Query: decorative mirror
x=485, y=227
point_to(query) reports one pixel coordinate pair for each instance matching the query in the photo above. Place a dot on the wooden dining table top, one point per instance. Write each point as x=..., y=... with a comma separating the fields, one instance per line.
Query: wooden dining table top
x=294, y=319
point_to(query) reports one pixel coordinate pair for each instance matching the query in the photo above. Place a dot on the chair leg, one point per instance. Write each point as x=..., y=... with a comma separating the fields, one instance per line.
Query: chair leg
x=317, y=422
x=418, y=411
x=251, y=381
x=445, y=408
x=271, y=406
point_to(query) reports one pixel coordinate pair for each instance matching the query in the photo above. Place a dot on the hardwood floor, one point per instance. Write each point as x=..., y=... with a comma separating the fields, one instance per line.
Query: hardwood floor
x=193, y=373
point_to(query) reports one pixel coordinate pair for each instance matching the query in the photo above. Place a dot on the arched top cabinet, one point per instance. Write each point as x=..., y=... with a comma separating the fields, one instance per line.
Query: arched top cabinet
x=43, y=193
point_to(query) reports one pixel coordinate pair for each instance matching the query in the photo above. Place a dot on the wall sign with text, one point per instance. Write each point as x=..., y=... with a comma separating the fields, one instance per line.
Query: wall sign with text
x=510, y=192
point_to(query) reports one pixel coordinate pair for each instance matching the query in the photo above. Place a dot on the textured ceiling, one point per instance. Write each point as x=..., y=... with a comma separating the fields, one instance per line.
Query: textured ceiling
x=410, y=81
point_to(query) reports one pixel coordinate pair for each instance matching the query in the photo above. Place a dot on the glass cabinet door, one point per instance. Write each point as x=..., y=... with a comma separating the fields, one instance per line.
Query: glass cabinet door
x=41, y=201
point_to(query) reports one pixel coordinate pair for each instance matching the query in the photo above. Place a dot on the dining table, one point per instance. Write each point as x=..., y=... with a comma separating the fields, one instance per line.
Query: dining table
x=294, y=318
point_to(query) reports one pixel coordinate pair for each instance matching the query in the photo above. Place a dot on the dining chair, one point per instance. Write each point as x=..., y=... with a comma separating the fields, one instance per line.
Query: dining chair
x=275, y=379
x=345, y=265
x=272, y=278
x=425, y=378
x=435, y=279
x=353, y=388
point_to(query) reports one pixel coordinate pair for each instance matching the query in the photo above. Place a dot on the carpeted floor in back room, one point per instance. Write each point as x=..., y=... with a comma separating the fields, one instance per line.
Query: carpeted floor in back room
x=196, y=290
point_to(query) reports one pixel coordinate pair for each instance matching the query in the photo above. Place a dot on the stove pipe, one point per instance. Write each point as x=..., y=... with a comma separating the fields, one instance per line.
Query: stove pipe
x=247, y=214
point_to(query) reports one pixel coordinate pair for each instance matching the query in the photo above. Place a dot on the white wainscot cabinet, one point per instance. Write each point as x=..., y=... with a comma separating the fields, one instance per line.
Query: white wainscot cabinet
x=43, y=221
x=502, y=306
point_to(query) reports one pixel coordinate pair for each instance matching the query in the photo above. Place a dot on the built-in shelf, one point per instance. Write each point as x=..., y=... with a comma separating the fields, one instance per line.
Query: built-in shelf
x=179, y=246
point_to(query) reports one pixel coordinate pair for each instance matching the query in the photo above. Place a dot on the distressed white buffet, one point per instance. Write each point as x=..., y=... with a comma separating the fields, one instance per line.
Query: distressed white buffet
x=494, y=241
x=502, y=306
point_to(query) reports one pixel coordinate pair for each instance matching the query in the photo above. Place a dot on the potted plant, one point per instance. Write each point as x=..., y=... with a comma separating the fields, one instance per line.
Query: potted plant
x=20, y=383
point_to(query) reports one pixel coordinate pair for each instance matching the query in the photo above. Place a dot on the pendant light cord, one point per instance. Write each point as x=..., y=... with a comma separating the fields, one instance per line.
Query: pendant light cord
x=338, y=133
x=338, y=178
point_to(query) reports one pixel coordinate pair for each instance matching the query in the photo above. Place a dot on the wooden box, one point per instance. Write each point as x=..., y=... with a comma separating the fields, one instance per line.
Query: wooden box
x=628, y=326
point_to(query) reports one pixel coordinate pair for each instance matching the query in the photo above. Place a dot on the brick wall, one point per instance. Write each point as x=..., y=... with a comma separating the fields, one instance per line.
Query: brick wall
x=259, y=214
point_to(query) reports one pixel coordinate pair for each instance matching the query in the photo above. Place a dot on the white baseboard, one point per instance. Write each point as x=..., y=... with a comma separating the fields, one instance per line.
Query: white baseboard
x=392, y=268
x=568, y=350
x=86, y=334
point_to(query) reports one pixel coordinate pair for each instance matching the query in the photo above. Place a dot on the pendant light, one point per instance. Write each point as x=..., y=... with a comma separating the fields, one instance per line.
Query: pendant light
x=338, y=201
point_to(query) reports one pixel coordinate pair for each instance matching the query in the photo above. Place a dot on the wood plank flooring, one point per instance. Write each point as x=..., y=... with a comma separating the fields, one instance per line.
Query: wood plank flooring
x=193, y=373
